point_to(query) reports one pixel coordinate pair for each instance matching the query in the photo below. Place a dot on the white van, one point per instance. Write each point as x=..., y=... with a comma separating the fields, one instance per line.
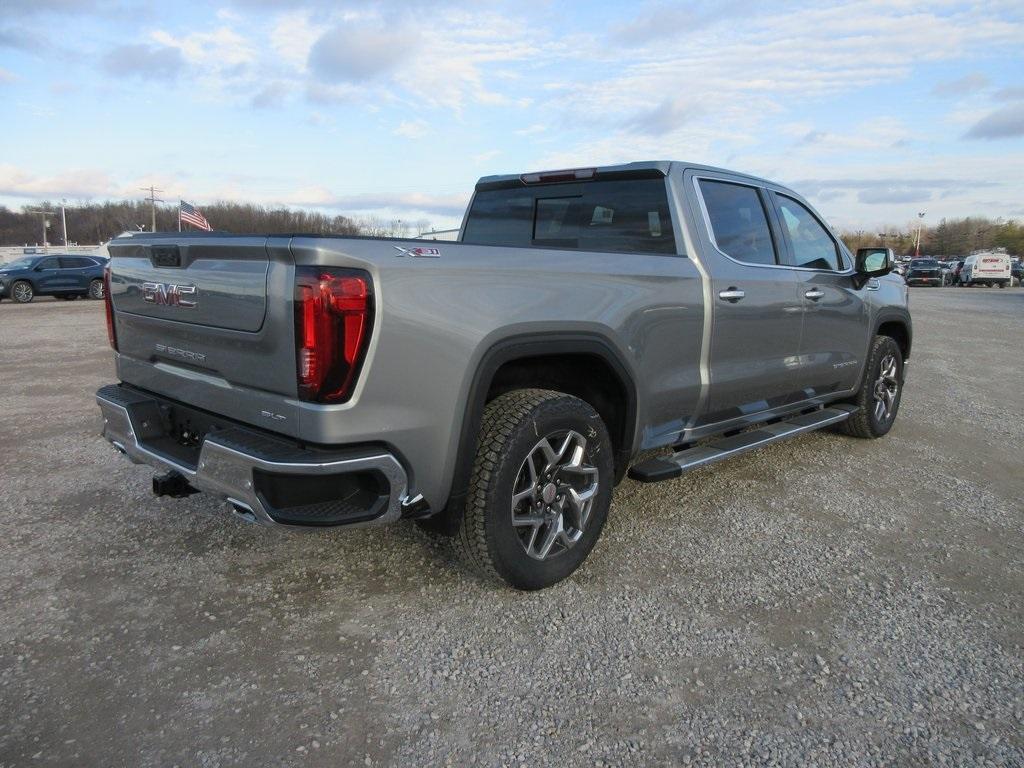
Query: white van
x=989, y=268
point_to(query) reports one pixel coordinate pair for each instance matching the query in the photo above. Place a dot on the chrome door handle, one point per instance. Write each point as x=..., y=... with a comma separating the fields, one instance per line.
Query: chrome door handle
x=814, y=294
x=732, y=294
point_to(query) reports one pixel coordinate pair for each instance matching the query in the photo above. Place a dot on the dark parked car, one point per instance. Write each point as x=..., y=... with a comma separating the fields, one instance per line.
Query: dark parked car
x=1017, y=272
x=924, y=272
x=52, y=275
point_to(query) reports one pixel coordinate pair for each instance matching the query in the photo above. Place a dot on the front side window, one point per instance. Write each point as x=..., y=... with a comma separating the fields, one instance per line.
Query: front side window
x=49, y=264
x=813, y=247
x=626, y=216
x=738, y=221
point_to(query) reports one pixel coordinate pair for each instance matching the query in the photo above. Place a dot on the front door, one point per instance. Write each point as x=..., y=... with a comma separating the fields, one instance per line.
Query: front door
x=836, y=320
x=756, y=317
x=50, y=277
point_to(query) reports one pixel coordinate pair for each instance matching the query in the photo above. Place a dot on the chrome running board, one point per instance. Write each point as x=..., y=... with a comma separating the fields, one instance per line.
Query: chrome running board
x=669, y=467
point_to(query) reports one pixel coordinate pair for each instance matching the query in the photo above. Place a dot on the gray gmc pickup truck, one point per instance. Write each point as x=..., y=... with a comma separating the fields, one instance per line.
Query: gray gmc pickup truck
x=497, y=388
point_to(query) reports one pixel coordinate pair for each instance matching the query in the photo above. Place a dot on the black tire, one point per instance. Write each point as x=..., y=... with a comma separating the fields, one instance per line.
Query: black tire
x=22, y=292
x=866, y=422
x=96, y=289
x=512, y=429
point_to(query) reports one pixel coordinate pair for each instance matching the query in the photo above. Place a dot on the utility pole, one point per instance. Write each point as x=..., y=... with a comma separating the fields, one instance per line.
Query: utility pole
x=153, y=200
x=64, y=220
x=46, y=223
x=917, y=242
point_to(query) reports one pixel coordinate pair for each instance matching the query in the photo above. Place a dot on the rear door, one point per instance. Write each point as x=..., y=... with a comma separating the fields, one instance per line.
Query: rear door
x=836, y=325
x=756, y=319
x=75, y=274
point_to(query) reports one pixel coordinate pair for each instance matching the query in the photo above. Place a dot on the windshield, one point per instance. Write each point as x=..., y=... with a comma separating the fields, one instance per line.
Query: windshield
x=18, y=264
x=923, y=263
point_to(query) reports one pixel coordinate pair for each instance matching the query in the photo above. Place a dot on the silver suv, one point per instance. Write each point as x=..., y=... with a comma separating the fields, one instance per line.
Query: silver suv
x=497, y=388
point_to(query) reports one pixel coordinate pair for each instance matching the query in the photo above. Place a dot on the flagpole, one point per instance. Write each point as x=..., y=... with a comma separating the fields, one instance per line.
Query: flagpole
x=179, y=214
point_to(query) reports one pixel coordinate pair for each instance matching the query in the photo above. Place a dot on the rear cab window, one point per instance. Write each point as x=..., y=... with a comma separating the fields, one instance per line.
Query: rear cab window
x=621, y=215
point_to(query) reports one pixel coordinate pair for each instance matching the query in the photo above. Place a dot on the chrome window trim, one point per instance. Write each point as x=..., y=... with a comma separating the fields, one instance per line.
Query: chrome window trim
x=849, y=271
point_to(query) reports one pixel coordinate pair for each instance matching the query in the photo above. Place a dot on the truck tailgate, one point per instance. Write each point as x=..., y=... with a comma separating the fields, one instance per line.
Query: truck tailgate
x=230, y=282
x=207, y=320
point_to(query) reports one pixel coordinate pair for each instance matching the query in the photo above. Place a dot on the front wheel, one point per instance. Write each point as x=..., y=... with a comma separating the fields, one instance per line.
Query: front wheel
x=540, y=490
x=878, y=400
x=22, y=292
x=96, y=289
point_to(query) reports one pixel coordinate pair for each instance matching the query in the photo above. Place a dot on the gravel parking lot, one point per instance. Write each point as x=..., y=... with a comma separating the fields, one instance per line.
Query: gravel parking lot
x=826, y=601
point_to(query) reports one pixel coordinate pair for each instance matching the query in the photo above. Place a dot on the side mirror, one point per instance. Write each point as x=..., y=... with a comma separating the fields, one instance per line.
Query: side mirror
x=874, y=262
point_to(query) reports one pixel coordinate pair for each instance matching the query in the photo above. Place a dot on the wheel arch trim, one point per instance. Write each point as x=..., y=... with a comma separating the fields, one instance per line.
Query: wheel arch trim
x=894, y=316
x=537, y=344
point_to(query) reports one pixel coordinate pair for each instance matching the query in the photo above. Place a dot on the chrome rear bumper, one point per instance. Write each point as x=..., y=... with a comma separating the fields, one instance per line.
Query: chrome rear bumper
x=229, y=459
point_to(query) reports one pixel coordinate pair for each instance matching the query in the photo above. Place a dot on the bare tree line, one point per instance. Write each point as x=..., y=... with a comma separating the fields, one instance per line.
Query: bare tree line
x=950, y=237
x=98, y=222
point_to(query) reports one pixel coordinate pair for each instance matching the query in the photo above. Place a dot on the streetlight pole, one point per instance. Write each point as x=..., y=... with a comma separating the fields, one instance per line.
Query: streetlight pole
x=64, y=220
x=917, y=243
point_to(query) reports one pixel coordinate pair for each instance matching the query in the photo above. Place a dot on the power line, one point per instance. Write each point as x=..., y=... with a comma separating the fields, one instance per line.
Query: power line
x=153, y=200
x=46, y=223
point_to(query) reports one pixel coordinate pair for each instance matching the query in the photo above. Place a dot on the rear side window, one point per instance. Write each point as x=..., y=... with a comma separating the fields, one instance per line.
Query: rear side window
x=627, y=216
x=51, y=263
x=738, y=221
x=812, y=245
x=74, y=262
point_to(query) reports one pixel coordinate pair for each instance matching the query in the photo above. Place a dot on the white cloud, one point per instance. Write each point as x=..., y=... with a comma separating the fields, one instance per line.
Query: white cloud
x=76, y=183
x=6, y=76
x=292, y=36
x=411, y=129
x=532, y=130
x=220, y=49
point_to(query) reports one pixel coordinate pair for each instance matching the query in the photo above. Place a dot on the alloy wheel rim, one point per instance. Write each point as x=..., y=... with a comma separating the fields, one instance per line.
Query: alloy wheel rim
x=22, y=292
x=553, y=495
x=96, y=290
x=887, y=386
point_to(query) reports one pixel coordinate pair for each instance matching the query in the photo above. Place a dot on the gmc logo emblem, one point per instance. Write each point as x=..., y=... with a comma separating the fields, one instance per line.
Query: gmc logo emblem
x=169, y=294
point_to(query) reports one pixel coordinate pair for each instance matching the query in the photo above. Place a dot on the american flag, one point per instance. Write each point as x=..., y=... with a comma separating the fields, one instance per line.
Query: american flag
x=191, y=215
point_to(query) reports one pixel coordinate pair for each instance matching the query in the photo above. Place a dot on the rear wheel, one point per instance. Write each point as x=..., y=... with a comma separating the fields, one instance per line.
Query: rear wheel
x=96, y=289
x=878, y=400
x=22, y=292
x=540, y=490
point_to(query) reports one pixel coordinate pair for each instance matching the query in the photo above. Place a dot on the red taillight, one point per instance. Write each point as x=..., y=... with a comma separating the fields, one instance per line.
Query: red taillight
x=109, y=303
x=333, y=318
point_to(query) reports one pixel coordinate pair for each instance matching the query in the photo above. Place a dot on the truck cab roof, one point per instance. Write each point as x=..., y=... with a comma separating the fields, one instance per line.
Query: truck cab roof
x=640, y=169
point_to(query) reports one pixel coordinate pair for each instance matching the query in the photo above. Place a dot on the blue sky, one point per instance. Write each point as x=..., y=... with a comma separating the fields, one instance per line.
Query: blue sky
x=874, y=110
